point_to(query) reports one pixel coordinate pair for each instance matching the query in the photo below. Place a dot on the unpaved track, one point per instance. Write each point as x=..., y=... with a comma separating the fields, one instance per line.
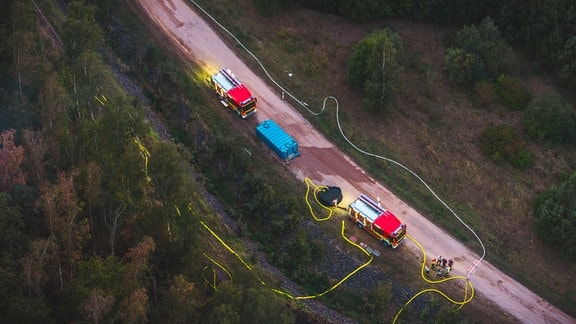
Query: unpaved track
x=325, y=164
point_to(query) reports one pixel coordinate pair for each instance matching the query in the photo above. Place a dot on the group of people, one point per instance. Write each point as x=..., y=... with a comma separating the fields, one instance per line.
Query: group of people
x=441, y=266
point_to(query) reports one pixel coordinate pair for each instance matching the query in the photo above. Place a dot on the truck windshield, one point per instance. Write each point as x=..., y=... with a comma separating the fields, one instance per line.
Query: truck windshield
x=249, y=106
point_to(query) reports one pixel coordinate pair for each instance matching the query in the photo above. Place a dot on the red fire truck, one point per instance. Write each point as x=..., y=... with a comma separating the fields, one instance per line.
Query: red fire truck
x=233, y=94
x=377, y=220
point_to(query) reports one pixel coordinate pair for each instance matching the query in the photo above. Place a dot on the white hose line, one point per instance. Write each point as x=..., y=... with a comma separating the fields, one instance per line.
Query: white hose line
x=305, y=105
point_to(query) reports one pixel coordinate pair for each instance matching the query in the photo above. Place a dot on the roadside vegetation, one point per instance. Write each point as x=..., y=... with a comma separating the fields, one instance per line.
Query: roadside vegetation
x=100, y=211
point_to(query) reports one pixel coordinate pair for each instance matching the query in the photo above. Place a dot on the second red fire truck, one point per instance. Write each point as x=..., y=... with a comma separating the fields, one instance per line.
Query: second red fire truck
x=377, y=220
x=233, y=94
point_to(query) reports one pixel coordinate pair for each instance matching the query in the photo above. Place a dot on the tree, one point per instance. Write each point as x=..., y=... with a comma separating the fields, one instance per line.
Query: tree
x=68, y=234
x=11, y=157
x=169, y=172
x=172, y=185
x=34, y=266
x=92, y=188
x=138, y=260
x=12, y=237
x=226, y=304
x=54, y=105
x=105, y=273
x=551, y=119
x=546, y=30
x=117, y=155
x=567, y=60
x=24, y=40
x=13, y=243
x=124, y=197
x=555, y=214
x=36, y=149
x=478, y=54
x=183, y=303
x=360, y=10
x=263, y=306
x=97, y=306
x=94, y=86
x=374, y=68
x=463, y=67
x=80, y=32
x=134, y=308
x=223, y=314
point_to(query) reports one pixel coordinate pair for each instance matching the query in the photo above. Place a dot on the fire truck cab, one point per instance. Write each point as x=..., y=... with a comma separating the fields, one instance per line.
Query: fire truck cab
x=232, y=93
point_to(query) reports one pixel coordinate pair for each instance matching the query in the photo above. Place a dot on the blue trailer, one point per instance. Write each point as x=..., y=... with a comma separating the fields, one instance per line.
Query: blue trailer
x=278, y=140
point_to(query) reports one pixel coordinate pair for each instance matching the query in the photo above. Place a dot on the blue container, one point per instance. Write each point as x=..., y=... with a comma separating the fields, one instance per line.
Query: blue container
x=278, y=140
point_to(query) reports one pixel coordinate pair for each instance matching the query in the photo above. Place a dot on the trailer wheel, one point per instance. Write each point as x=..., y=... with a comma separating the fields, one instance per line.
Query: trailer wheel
x=360, y=225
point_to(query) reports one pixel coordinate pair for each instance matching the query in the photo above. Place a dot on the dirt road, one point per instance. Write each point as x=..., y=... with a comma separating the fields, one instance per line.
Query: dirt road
x=325, y=164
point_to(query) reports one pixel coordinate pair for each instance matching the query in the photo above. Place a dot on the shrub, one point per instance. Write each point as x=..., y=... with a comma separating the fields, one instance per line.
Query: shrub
x=551, y=119
x=484, y=94
x=374, y=68
x=555, y=214
x=478, y=54
x=464, y=67
x=512, y=93
x=503, y=144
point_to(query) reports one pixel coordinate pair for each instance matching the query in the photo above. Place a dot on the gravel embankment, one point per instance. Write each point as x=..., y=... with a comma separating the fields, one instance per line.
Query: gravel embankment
x=134, y=90
x=319, y=310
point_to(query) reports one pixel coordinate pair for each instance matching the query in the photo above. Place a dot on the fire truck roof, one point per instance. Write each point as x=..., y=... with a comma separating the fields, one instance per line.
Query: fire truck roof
x=377, y=214
x=223, y=81
x=240, y=94
x=388, y=222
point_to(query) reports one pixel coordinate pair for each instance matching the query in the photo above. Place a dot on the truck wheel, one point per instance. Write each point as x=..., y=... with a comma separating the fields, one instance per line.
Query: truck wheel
x=360, y=225
x=385, y=243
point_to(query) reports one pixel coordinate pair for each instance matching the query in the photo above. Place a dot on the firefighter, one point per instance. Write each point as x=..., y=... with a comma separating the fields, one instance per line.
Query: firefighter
x=447, y=271
x=438, y=272
x=433, y=263
x=427, y=270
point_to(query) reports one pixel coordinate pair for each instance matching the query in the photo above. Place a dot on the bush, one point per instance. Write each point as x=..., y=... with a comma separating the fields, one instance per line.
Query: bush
x=555, y=213
x=503, y=144
x=478, y=54
x=512, y=93
x=374, y=68
x=551, y=119
x=484, y=94
x=463, y=67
